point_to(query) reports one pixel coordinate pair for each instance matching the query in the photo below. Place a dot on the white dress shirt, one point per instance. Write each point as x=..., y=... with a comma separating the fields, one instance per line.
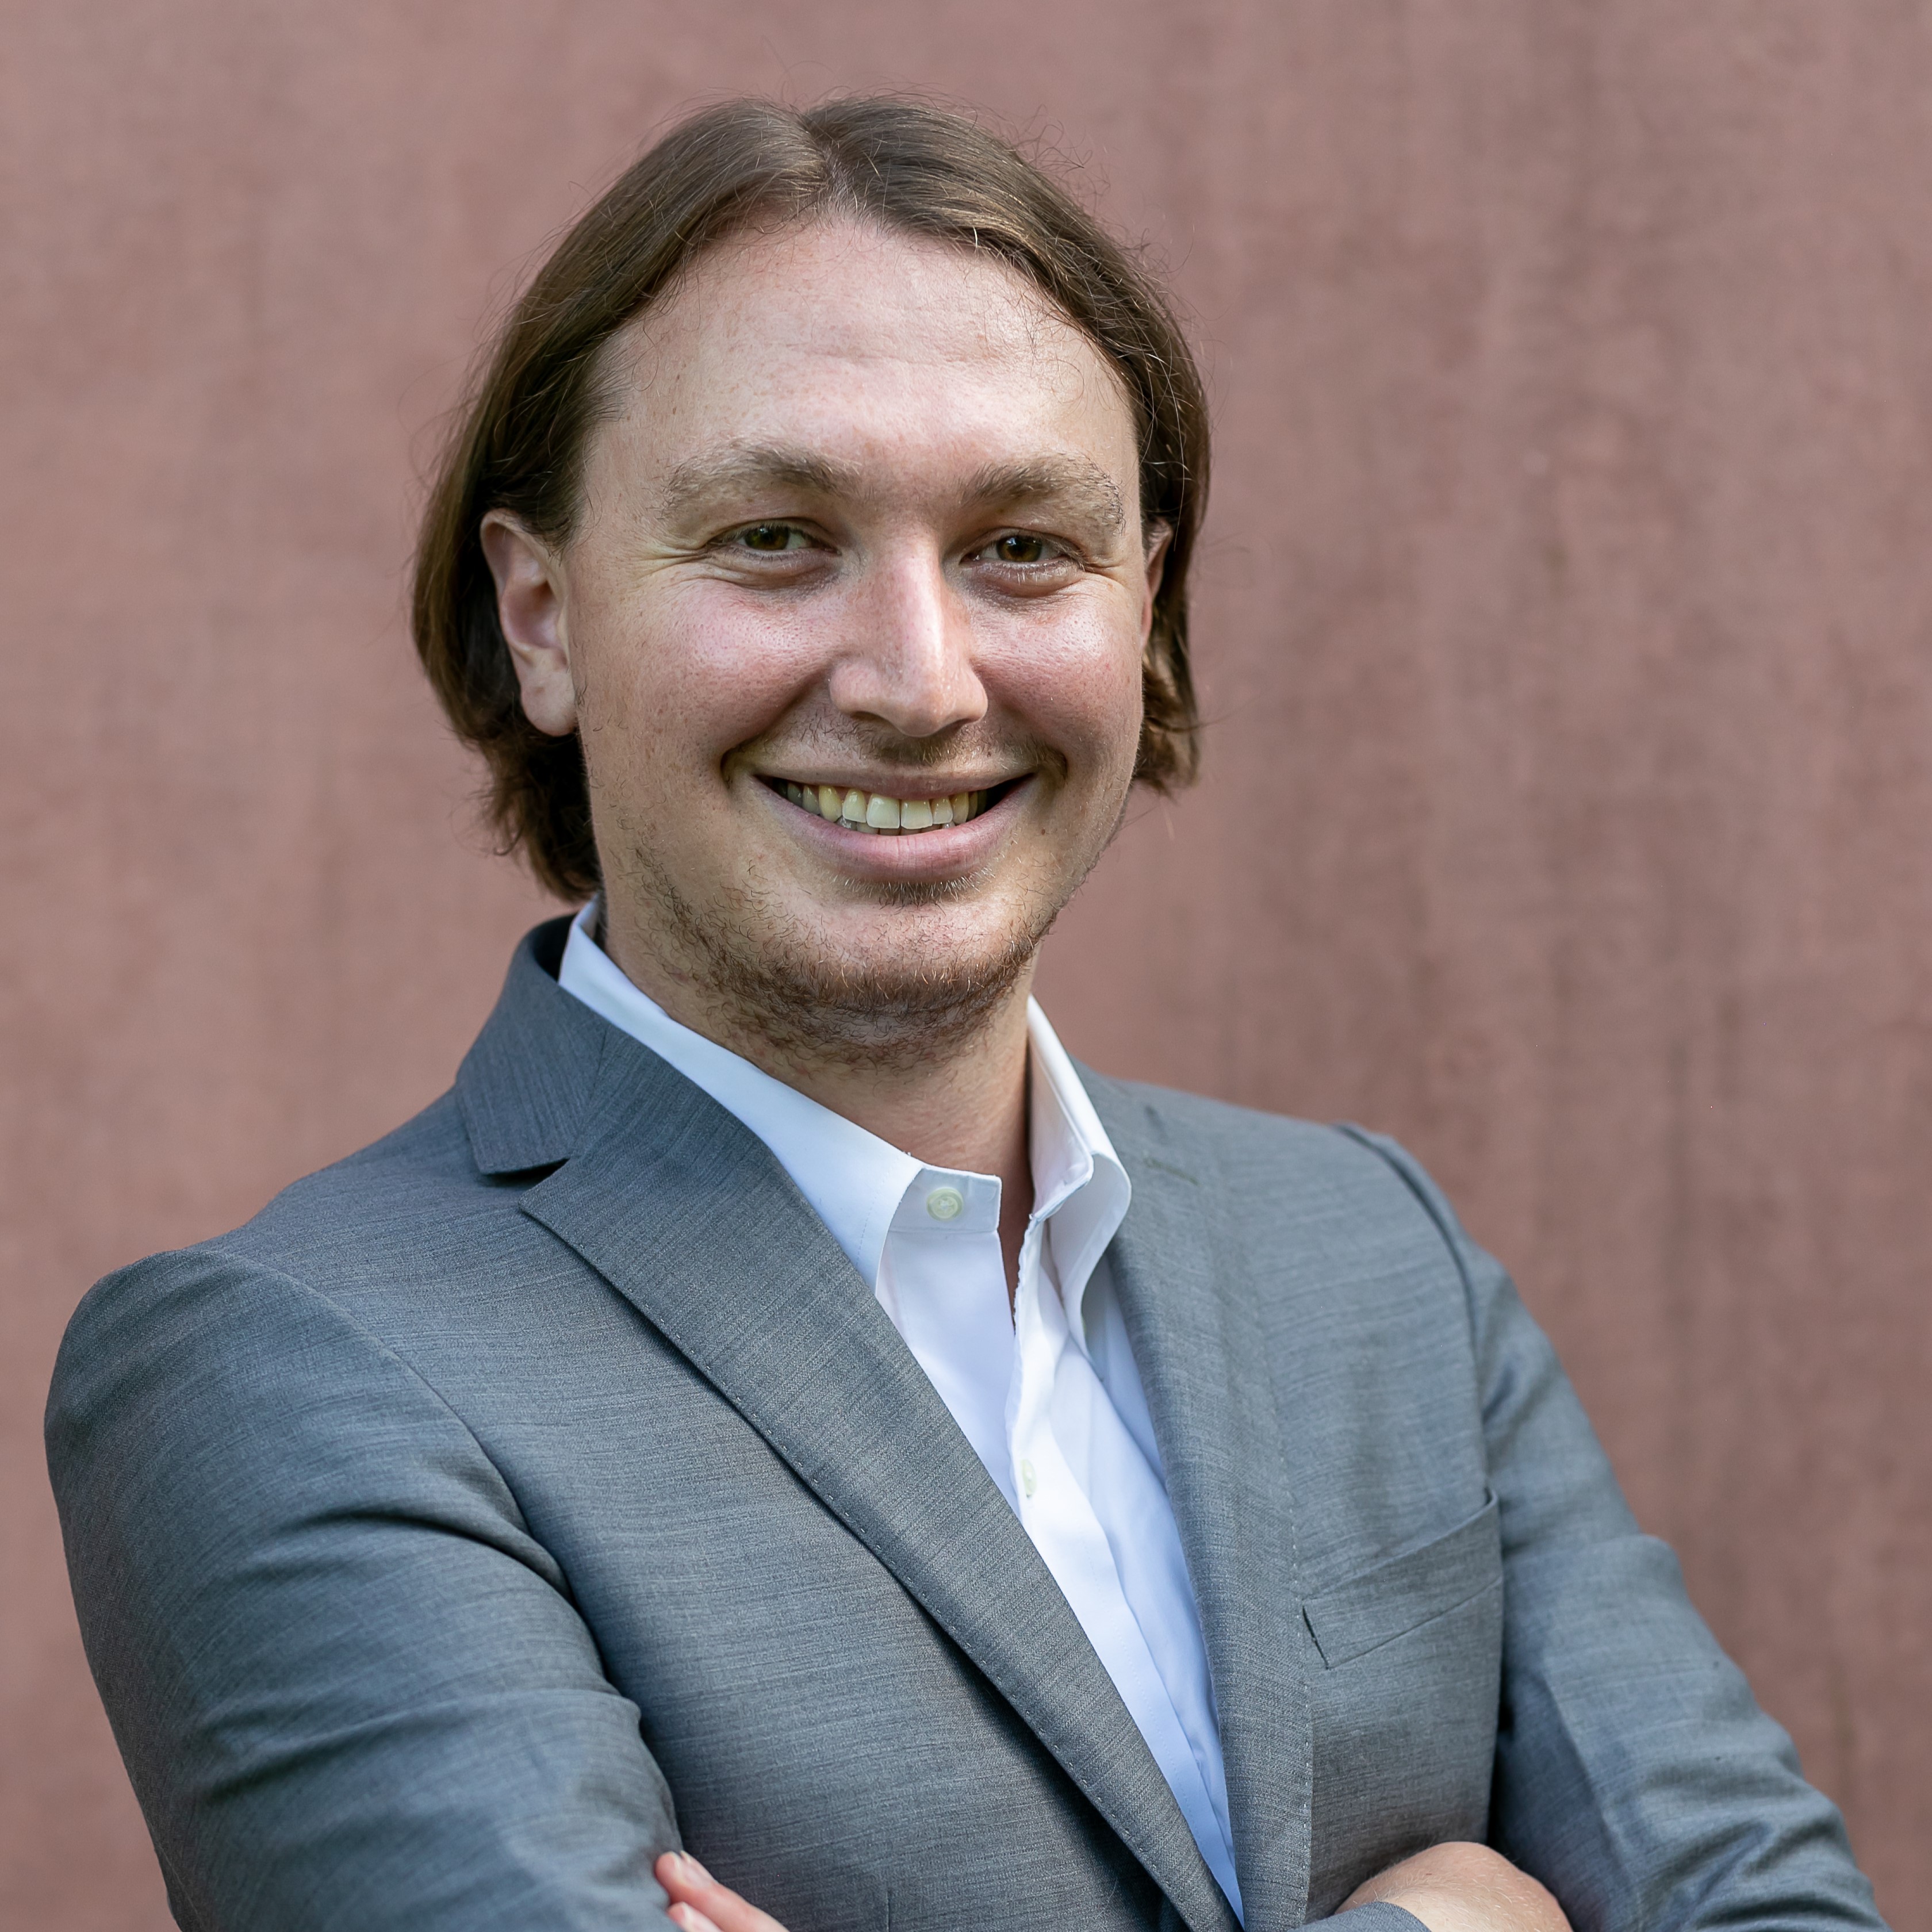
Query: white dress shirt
x=1045, y=1391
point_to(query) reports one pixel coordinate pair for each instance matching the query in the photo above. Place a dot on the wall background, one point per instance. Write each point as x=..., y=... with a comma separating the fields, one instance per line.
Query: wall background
x=1565, y=620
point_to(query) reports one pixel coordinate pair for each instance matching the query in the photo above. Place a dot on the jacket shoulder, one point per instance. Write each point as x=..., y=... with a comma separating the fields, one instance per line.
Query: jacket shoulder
x=382, y=1229
x=1168, y=1128
x=418, y=1179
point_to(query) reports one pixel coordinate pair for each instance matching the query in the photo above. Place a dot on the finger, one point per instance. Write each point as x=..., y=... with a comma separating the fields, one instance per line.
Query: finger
x=690, y=1919
x=689, y=1884
x=680, y=1876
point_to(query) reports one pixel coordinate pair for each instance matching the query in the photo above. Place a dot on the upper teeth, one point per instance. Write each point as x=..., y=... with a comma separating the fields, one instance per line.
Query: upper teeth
x=875, y=811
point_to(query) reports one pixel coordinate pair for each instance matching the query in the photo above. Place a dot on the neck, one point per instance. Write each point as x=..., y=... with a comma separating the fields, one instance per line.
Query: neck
x=967, y=1108
x=950, y=1089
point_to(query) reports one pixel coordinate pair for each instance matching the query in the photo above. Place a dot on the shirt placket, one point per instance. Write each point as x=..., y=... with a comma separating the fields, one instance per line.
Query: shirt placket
x=1059, y=1517
x=942, y=1280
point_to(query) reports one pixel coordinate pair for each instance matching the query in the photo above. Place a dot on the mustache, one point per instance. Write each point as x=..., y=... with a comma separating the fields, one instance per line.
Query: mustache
x=882, y=748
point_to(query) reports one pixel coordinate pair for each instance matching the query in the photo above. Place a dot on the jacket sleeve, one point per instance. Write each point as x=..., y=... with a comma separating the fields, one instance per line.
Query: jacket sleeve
x=1635, y=1775
x=351, y=1690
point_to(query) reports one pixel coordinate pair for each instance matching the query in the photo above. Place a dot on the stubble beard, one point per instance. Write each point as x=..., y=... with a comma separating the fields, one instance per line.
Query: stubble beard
x=806, y=1006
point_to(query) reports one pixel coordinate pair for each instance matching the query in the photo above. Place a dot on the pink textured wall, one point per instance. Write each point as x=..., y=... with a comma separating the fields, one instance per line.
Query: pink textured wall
x=1564, y=616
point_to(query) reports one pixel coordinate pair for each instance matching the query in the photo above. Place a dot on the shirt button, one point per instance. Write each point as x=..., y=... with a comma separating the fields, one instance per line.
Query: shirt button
x=943, y=1204
x=1028, y=1481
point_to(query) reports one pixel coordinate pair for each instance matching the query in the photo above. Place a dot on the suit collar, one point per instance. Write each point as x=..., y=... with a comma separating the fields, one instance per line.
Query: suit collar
x=1217, y=1418
x=687, y=1214
x=855, y=1182
x=524, y=1087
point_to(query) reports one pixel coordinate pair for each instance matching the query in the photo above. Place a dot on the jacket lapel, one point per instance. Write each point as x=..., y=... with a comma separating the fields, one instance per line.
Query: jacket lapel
x=687, y=1214
x=1217, y=1420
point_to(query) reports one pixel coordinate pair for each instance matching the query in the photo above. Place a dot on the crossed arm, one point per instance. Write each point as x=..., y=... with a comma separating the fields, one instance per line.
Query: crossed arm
x=1455, y=1888
x=1635, y=1770
x=315, y=1609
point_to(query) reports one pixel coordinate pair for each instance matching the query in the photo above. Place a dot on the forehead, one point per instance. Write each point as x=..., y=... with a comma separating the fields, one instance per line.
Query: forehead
x=887, y=352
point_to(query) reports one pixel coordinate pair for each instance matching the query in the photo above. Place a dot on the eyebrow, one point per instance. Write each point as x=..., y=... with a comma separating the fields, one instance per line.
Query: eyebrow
x=747, y=466
x=1076, y=481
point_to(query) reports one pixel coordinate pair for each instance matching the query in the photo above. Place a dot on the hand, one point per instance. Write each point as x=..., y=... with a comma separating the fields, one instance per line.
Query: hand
x=1454, y=1888
x=1459, y=1888
x=699, y=1903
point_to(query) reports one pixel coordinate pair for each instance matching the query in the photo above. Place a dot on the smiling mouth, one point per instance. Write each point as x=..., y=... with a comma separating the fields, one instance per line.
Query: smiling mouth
x=878, y=811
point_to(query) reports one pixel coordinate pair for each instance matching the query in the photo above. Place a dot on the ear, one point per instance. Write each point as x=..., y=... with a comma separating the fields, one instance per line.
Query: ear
x=530, y=608
x=1159, y=536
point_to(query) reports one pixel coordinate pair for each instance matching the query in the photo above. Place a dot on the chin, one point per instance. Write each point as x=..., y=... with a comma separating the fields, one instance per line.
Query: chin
x=890, y=999
x=897, y=984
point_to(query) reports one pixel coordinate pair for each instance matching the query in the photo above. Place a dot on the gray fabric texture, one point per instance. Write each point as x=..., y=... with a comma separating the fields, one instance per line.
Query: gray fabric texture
x=541, y=1489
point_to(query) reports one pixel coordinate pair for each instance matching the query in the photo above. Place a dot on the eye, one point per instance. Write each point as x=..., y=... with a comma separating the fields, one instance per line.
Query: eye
x=1018, y=546
x=769, y=539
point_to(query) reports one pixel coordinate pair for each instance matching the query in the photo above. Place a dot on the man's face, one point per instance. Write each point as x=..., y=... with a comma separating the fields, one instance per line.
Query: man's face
x=864, y=543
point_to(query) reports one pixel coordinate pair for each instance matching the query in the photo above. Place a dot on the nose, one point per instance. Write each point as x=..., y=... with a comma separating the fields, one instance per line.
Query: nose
x=908, y=660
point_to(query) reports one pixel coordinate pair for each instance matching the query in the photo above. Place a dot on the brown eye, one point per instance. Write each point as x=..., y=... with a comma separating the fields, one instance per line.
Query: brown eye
x=1019, y=549
x=769, y=537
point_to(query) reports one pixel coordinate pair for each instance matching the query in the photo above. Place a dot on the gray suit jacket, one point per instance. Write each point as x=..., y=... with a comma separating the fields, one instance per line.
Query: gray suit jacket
x=542, y=1488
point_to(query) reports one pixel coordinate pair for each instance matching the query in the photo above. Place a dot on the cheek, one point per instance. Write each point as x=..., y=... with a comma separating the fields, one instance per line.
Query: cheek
x=1078, y=685
x=681, y=675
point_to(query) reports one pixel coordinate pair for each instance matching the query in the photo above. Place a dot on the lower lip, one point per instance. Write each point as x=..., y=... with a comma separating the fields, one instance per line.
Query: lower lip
x=949, y=851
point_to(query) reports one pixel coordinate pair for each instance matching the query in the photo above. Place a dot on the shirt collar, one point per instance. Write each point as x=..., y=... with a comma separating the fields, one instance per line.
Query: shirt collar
x=1080, y=1189
x=853, y=1180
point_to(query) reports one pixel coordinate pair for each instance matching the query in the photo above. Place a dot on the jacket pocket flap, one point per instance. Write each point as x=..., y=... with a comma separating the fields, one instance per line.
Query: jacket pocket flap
x=1379, y=1605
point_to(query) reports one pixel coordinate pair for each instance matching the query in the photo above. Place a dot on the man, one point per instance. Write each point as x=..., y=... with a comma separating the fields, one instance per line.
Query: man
x=776, y=1410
